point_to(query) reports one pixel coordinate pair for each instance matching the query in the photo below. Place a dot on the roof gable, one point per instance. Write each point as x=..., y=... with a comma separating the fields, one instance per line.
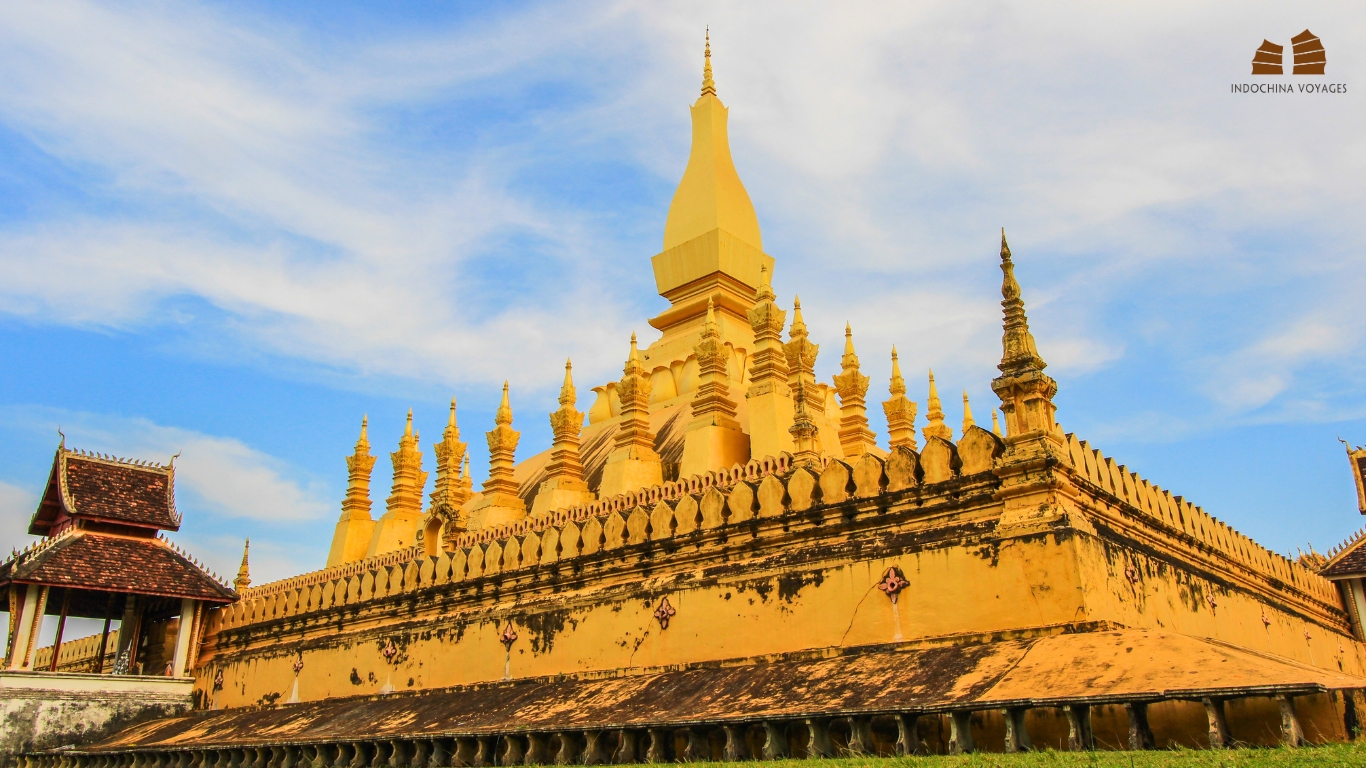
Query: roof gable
x=106, y=488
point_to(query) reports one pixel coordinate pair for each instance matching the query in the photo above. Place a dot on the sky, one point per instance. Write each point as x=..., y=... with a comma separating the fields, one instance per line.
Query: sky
x=230, y=229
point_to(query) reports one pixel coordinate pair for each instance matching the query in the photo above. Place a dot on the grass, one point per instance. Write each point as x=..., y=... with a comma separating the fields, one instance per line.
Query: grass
x=1328, y=756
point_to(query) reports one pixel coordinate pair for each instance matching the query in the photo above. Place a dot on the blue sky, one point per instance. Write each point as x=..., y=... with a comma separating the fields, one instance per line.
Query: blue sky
x=231, y=229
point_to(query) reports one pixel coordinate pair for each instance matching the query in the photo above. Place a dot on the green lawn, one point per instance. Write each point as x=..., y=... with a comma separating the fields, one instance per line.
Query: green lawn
x=1320, y=757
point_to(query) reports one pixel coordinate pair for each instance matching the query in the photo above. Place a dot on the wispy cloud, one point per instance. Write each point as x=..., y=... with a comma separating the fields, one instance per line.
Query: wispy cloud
x=218, y=475
x=462, y=203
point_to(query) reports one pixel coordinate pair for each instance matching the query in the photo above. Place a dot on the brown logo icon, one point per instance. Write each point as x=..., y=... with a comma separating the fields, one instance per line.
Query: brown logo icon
x=1310, y=58
x=1267, y=60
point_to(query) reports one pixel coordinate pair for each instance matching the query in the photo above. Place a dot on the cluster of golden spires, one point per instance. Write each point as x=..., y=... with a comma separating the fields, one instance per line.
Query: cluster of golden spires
x=724, y=315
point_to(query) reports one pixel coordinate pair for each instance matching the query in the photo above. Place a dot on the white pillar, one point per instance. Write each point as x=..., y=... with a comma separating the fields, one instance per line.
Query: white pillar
x=1359, y=602
x=182, y=637
x=36, y=627
x=22, y=627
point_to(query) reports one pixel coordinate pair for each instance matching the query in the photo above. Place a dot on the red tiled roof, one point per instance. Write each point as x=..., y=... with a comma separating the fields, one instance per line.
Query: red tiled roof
x=1351, y=563
x=89, y=560
x=104, y=488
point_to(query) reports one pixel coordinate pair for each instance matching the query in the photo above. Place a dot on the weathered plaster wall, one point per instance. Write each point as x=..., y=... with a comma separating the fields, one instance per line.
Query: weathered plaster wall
x=763, y=564
x=50, y=710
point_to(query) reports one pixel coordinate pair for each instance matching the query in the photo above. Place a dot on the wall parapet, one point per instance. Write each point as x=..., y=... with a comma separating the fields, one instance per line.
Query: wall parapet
x=753, y=471
x=1179, y=514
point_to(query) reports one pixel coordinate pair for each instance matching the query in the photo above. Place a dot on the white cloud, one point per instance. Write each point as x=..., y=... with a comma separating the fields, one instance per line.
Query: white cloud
x=219, y=474
x=16, y=509
x=271, y=174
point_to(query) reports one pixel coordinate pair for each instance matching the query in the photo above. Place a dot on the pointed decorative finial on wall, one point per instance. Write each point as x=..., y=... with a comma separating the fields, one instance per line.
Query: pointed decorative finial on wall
x=855, y=437
x=899, y=409
x=995, y=424
x=1026, y=392
x=243, y=579
x=968, y=423
x=563, y=485
x=501, y=502
x=935, y=413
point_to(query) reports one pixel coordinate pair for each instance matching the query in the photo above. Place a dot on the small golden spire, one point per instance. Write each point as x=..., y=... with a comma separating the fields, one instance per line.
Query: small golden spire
x=568, y=396
x=968, y=423
x=450, y=423
x=850, y=359
x=408, y=429
x=709, y=327
x=935, y=413
x=900, y=411
x=243, y=579
x=897, y=387
x=798, y=324
x=465, y=472
x=363, y=443
x=995, y=425
x=707, y=85
x=765, y=292
x=504, y=414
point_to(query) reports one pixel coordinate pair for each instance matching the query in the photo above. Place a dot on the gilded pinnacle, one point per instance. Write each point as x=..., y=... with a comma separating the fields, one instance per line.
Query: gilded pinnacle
x=363, y=444
x=935, y=413
x=451, y=427
x=504, y=414
x=798, y=324
x=568, y=396
x=968, y=423
x=707, y=85
x=765, y=292
x=709, y=328
x=1018, y=351
x=408, y=428
x=243, y=579
x=898, y=384
x=995, y=425
x=850, y=360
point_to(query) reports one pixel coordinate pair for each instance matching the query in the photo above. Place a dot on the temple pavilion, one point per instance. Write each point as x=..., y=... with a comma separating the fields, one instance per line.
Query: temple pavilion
x=103, y=557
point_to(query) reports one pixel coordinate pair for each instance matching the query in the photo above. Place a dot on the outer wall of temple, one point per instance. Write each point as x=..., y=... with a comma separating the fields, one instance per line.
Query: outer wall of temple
x=799, y=575
x=49, y=710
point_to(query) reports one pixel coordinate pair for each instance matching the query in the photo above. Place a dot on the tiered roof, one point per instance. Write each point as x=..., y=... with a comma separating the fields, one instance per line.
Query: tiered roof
x=101, y=515
x=106, y=489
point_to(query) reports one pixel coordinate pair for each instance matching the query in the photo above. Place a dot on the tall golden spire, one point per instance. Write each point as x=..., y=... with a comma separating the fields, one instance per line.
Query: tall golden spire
x=1018, y=349
x=563, y=485
x=899, y=409
x=566, y=423
x=801, y=357
x=769, y=396
x=968, y=423
x=633, y=462
x=450, y=452
x=708, y=87
x=409, y=479
x=856, y=438
x=351, y=537
x=806, y=437
x=1026, y=392
x=501, y=502
x=243, y=579
x=935, y=413
x=711, y=196
x=713, y=439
